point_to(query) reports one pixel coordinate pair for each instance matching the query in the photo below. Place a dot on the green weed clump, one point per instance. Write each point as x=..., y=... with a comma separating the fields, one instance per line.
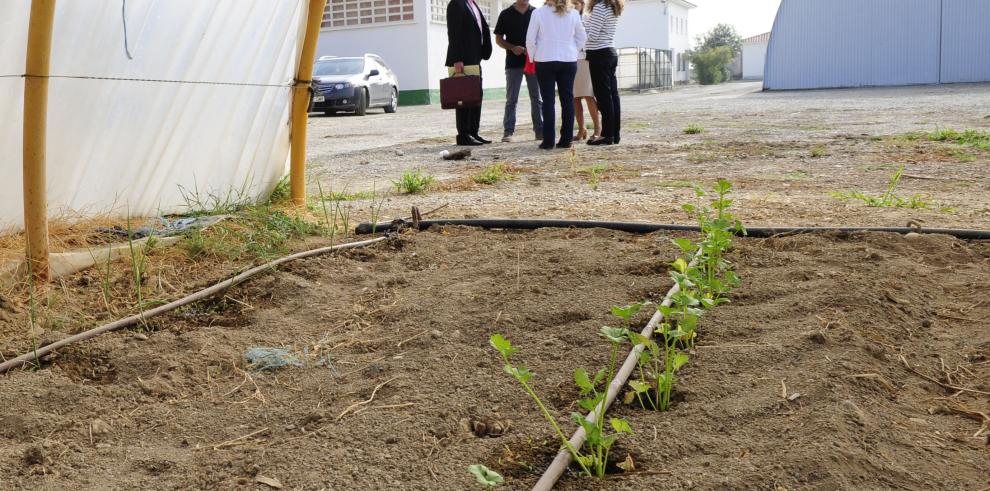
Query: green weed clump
x=282, y=191
x=694, y=129
x=970, y=138
x=257, y=233
x=594, y=174
x=890, y=198
x=493, y=174
x=818, y=151
x=413, y=182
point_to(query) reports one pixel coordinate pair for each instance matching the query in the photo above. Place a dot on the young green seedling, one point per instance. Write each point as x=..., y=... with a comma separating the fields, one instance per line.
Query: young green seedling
x=523, y=376
x=599, y=443
x=657, y=367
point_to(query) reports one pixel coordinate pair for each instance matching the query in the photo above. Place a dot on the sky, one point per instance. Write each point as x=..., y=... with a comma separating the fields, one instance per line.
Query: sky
x=751, y=17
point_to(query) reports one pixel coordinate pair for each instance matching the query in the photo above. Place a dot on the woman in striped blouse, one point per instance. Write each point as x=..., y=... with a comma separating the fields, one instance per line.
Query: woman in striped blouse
x=603, y=61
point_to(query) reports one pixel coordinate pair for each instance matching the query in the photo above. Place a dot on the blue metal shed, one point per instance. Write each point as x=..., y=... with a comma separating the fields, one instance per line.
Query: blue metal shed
x=861, y=43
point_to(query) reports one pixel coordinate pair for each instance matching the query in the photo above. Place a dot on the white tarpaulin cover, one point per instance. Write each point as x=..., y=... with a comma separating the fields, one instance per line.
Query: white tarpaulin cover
x=210, y=112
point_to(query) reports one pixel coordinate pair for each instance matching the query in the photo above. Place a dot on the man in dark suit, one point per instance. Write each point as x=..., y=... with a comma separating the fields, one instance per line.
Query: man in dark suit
x=468, y=42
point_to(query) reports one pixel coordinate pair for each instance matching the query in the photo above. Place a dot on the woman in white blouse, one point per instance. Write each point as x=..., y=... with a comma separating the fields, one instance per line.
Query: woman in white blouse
x=554, y=39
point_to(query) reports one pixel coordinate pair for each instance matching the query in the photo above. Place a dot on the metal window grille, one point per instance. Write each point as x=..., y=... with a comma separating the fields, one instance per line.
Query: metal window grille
x=356, y=13
x=438, y=10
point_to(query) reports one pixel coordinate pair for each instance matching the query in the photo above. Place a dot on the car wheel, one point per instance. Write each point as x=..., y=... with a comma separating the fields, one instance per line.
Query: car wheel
x=393, y=103
x=361, y=105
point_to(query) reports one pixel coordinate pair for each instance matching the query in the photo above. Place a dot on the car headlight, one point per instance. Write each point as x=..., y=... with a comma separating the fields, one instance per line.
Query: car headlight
x=342, y=86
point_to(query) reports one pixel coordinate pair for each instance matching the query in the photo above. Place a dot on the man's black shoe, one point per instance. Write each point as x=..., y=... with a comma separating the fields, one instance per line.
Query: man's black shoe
x=562, y=144
x=480, y=139
x=544, y=146
x=467, y=141
x=600, y=141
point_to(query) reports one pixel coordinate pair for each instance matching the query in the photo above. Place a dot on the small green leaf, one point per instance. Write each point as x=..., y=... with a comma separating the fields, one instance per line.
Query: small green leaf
x=608, y=441
x=583, y=381
x=485, y=475
x=685, y=245
x=620, y=425
x=679, y=360
x=520, y=373
x=586, y=460
x=587, y=404
x=614, y=334
x=639, y=386
x=502, y=345
x=599, y=376
x=680, y=265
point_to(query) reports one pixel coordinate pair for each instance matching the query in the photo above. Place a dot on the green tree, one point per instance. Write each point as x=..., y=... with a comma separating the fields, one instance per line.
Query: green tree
x=721, y=35
x=709, y=65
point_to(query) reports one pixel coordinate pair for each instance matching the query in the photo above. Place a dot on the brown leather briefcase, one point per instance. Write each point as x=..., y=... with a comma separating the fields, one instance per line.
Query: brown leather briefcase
x=460, y=92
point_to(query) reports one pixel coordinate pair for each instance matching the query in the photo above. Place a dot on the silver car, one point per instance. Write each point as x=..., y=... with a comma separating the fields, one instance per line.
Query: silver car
x=354, y=84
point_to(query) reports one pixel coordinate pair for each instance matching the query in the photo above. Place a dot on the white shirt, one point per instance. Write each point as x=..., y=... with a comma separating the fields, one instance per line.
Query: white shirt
x=553, y=37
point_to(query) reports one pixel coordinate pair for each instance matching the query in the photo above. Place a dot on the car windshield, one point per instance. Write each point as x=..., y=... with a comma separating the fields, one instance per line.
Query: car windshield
x=344, y=66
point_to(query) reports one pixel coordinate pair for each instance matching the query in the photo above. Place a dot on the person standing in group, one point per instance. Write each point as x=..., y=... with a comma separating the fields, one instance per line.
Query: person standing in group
x=554, y=40
x=510, y=35
x=602, y=62
x=584, y=92
x=468, y=42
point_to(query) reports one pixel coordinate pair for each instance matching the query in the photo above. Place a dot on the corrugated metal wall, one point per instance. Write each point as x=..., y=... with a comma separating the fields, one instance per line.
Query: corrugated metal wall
x=965, y=41
x=860, y=43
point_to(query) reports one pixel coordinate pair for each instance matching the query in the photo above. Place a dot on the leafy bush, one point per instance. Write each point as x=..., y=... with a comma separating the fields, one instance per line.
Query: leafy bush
x=722, y=35
x=694, y=129
x=710, y=65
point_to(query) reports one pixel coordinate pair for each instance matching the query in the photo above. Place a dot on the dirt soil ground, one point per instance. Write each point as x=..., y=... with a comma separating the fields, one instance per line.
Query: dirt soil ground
x=843, y=362
x=786, y=152
x=799, y=383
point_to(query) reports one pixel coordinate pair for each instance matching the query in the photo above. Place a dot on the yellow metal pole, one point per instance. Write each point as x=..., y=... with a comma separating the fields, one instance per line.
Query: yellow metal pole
x=39, y=50
x=300, y=101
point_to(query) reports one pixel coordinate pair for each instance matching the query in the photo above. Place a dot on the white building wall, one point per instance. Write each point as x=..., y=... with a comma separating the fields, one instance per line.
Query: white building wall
x=680, y=40
x=643, y=24
x=754, y=57
x=394, y=43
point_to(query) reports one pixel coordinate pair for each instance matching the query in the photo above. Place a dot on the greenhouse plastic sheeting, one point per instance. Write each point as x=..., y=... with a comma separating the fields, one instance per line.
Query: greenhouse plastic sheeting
x=204, y=110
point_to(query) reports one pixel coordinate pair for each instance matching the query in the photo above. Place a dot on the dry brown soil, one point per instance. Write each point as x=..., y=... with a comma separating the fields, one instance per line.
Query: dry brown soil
x=799, y=383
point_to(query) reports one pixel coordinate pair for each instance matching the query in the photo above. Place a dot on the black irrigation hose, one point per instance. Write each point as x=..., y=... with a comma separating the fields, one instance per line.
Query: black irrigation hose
x=645, y=228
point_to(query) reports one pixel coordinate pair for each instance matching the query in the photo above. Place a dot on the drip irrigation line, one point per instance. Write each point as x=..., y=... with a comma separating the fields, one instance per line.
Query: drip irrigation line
x=153, y=80
x=195, y=297
x=564, y=457
x=644, y=228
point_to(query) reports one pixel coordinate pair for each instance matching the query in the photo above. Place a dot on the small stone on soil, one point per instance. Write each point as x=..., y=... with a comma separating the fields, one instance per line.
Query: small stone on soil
x=269, y=481
x=99, y=427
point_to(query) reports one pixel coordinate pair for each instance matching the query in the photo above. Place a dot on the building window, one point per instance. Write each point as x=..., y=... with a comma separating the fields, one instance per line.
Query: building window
x=438, y=10
x=356, y=13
